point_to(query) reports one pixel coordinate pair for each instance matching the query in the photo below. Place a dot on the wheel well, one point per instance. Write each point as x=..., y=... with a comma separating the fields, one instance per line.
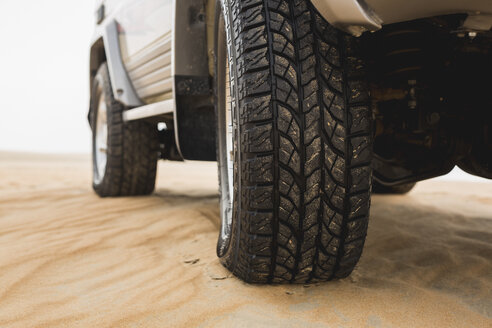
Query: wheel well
x=97, y=57
x=429, y=93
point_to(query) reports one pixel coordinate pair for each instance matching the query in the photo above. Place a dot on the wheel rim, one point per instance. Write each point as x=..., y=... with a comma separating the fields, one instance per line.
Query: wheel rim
x=100, y=138
x=229, y=137
x=226, y=136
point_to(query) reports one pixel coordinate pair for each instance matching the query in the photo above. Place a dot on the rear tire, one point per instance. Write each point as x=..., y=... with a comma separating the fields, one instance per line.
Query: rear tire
x=402, y=189
x=128, y=164
x=301, y=144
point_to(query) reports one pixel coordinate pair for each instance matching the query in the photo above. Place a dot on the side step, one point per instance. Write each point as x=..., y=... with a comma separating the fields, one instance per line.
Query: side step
x=156, y=109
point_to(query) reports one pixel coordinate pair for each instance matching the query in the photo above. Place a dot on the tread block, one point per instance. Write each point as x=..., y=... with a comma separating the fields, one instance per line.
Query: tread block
x=256, y=109
x=360, y=182
x=360, y=119
x=258, y=139
x=359, y=205
x=259, y=170
x=260, y=197
x=259, y=222
x=361, y=150
x=252, y=60
x=254, y=84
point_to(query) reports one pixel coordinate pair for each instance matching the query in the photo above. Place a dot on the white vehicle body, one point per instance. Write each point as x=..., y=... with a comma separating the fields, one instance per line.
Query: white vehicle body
x=158, y=50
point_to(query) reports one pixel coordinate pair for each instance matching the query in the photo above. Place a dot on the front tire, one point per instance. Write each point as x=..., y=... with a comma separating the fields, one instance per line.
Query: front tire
x=125, y=154
x=295, y=206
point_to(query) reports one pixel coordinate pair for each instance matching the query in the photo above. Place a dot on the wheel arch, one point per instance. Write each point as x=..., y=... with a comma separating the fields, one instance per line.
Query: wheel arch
x=96, y=58
x=106, y=48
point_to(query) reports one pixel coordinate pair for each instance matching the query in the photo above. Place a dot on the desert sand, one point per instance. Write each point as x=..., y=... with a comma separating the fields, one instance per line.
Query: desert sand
x=70, y=259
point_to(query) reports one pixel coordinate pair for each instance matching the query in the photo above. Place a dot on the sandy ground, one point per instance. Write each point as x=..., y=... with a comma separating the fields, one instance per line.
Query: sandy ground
x=70, y=259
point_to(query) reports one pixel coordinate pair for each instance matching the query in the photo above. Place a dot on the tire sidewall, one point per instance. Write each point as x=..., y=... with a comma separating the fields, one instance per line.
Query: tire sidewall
x=227, y=248
x=102, y=80
x=95, y=97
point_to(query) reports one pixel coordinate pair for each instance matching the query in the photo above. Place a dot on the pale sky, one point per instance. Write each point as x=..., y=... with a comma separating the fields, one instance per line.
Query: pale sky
x=44, y=73
x=44, y=69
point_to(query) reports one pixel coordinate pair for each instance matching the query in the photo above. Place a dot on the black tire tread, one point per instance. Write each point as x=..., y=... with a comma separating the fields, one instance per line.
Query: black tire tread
x=305, y=143
x=401, y=189
x=132, y=150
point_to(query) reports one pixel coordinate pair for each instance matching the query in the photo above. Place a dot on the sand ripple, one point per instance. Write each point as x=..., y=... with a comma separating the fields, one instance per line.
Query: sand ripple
x=70, y=259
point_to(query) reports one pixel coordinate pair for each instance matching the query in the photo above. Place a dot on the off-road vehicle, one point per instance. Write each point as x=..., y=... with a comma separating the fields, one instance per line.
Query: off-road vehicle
x=308, y=107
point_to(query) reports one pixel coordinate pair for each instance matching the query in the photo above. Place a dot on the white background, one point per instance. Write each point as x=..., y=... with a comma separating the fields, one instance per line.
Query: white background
x=44, y=70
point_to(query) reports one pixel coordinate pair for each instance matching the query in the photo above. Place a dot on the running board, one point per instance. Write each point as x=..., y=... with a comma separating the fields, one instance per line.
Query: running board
x=156, y=109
